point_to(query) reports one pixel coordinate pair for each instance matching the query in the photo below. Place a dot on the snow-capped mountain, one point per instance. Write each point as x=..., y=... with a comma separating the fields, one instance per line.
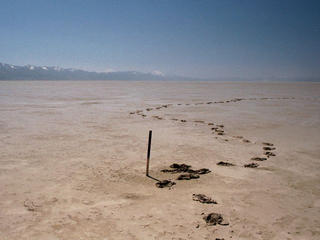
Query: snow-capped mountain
x=30, y=72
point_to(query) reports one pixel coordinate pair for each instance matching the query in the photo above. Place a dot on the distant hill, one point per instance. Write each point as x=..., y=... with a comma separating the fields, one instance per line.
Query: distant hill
x=29, y=72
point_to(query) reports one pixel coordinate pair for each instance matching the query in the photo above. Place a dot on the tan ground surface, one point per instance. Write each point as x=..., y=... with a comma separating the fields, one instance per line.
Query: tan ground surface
x=72, y=160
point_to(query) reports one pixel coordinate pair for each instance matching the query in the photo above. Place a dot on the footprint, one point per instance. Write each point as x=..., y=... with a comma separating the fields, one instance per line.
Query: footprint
x=199, y=121
x=213, y=219
x=203, y=199
x=267, y=144
x=251, y=165
x=157, y=117
x=269, y=154
x=226, y=164
x=269, y=148
x=165, y=183
x=177, y=168
x=258, y=159
x=239, y=137
x=188, y=176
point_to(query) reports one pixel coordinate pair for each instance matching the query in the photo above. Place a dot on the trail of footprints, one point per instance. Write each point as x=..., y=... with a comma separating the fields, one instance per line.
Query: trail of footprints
x=187, y=173
x=140, y=112
x=218, y=129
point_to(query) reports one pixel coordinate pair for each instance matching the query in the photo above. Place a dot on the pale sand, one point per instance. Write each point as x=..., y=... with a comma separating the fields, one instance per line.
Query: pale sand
x=72, y=160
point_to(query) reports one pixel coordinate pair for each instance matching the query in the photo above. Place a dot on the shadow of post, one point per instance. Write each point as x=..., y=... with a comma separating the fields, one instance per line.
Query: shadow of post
x=153, y=178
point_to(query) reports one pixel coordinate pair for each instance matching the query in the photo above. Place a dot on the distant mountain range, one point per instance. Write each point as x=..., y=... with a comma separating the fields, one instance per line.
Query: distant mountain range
x=29, y=72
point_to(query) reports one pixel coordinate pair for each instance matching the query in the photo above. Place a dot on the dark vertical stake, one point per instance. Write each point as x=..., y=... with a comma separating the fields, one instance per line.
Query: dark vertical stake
x=149, y=149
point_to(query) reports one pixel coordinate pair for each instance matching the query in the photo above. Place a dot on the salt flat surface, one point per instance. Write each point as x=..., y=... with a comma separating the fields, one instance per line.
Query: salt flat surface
x=72, y=159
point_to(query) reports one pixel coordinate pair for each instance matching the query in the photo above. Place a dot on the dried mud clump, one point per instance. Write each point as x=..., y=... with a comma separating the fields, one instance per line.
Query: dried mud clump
x=199, y=171
x=269, y=154
x=188, y=176
x=258, y=159
x=177, y=168
x=214, y=219
x=203, y=199
x=180, y=168
x=226, y=164
x=267, y=144
x=251, y=165
x=269, y=148
x=165, y=183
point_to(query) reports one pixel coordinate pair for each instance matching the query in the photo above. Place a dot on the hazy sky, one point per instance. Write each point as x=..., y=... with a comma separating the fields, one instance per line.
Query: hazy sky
x=211, y=39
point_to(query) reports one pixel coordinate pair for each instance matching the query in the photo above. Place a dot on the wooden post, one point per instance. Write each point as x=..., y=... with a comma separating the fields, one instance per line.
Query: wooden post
x=149, y=149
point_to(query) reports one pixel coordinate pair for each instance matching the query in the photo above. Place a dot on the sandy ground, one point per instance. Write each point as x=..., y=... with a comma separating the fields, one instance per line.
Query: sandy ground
x=72, y=160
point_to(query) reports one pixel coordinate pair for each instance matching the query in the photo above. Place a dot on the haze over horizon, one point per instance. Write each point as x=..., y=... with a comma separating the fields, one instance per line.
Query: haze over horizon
x=205, y=39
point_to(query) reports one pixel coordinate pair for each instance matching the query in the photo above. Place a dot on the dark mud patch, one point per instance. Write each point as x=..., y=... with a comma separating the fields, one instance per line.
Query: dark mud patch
x=269, y=148
x=226, y=164
x=157, y=117
x=251, y=165
x=269, y=154
x=177, y=168
x=165, y=183
x=213, y=219
x=267, y=144
x=258, y=159
x=188, y=176
x=180, y=168
x=199, y=171
x=203, y=199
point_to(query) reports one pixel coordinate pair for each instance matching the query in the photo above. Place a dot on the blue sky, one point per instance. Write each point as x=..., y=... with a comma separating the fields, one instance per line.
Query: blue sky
x=244, y=39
